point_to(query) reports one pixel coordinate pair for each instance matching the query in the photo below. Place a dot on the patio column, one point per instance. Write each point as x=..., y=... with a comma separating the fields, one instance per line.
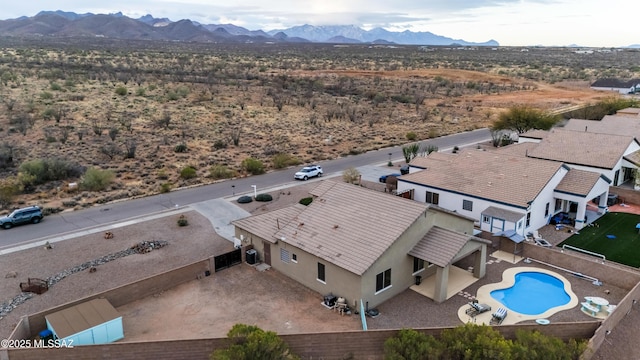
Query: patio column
x=581, y=215
x=480, y=262
x=602, y=203
x=442, y=281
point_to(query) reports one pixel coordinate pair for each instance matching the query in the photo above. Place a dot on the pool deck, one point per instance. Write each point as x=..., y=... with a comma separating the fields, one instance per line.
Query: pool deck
x=508, y=279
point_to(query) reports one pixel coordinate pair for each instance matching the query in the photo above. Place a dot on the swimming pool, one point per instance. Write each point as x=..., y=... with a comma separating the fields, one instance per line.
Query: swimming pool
x=533, y=293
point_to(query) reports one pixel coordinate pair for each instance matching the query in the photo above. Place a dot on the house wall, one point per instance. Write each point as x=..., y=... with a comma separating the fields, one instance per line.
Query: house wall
x=396, y=259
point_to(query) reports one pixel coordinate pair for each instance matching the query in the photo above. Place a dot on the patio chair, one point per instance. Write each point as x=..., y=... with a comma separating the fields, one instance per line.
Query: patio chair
x=476, y=309
x=498, y=317
x=536, y=235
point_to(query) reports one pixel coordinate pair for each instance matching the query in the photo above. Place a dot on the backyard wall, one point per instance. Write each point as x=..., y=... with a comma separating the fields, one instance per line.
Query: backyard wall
x=609, y=273
x=339, y=345
x=628, y=196
x=31, y=325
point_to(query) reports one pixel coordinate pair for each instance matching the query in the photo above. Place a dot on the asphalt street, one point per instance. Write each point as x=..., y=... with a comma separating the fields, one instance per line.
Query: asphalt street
x=68, y=222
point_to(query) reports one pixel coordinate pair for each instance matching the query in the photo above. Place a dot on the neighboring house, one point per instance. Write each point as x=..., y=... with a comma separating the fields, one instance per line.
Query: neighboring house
x=621, y=86
x=362, y=244
x=607, y=154
x=625, y=124
x=504, y=190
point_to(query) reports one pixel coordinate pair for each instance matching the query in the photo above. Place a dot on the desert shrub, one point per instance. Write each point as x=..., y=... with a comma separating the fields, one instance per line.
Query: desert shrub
x=306, y=201
x=264, y=197
x=220, y=144
x=162, y=174
x=96, y=179
x=6, y=155
x=45, y=95
x=165, y=188
x=281, y=161
x=182, y=221
x=121, y=90
x=141, y=91
x=180, y=148
x=41, y=171
x=351, y=175
x=188, y=172
x=9, y=187
x=244, y=199
x=55, y=86
x=411, y=136
x=411, y=345
x=253, y=166
x=220, y=172
x=251, y=342
x=48, y=113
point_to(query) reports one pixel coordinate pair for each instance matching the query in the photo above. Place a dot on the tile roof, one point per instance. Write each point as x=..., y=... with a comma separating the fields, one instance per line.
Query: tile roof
x=521, y=149
x=582, y=148
x=615, y=83
x=267, y=224
x=610, y=124
x=440, y=246
x=633, y=158
x=348, y=225
x=509, y=179
x=504, y=214
x=429, y=160
x=578, y=182
x=535, y=134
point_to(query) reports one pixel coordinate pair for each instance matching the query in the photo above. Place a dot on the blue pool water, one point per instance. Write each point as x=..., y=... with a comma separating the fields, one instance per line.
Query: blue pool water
x=533, y=293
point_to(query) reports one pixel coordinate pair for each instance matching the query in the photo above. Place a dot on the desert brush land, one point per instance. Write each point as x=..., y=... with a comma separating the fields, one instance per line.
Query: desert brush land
x=147, y=110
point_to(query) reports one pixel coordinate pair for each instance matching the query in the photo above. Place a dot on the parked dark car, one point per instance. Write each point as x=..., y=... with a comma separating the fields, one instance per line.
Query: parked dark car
x=383, y=178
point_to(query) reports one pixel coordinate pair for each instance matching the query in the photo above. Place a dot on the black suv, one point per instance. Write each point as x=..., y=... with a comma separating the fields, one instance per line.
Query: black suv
x=31, y=214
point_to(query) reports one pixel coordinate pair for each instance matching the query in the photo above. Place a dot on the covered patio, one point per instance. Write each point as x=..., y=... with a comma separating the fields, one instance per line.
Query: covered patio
x=440, y=249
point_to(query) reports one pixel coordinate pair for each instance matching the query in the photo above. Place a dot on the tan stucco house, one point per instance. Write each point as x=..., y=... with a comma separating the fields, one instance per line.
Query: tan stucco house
x=362, y=244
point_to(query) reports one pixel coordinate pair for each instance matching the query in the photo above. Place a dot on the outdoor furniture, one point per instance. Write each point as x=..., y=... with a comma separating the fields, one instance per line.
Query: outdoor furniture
x=599, y=302
x=498, y=317
x=477, y=309
x=587, y=307
x=610, y=308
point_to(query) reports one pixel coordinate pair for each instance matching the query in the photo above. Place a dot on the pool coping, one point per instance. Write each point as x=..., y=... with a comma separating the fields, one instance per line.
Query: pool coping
x=483, y=296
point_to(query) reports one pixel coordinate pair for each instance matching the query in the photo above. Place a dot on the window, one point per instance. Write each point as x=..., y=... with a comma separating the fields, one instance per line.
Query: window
x=432, y=198
x=284, y=255
x=294, y=258
x=467, y=205
x=558, y=204
x=383, y=280
x=418, y=265
x=321, y=277
x=528, y=219
x=519, y=224
x=546, y=210
x=485, y=219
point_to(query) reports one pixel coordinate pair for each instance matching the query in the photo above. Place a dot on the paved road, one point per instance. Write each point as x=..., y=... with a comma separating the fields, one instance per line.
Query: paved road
x=69, y=222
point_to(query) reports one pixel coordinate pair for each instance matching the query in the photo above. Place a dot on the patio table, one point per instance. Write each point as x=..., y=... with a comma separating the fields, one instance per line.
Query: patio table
x=599, y=302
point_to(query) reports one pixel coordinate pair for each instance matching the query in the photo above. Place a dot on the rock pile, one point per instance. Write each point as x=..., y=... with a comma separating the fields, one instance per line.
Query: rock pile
x=147, y=246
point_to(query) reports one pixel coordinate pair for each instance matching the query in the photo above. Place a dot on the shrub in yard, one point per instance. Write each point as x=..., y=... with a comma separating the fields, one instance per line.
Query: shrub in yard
x=96, y=179
x=306, y=201
x=351, y=175
x=182, y=221
x=253, y=166
x=188, y=173
x=264, y=197
x=244, y=199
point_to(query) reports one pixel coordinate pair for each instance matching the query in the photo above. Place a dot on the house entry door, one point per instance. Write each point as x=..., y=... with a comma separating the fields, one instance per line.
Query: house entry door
x=267, y=253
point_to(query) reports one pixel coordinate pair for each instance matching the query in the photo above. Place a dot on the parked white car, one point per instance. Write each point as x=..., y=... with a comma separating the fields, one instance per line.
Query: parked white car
x=308, y=172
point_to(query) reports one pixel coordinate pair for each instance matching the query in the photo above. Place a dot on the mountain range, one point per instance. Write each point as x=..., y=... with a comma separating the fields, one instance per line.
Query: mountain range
x=70, y=24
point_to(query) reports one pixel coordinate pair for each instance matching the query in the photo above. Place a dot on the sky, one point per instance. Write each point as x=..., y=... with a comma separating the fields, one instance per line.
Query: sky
x=594, y=23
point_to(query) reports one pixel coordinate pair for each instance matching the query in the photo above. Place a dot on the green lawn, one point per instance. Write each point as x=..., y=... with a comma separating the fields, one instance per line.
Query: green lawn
x=624, y=249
